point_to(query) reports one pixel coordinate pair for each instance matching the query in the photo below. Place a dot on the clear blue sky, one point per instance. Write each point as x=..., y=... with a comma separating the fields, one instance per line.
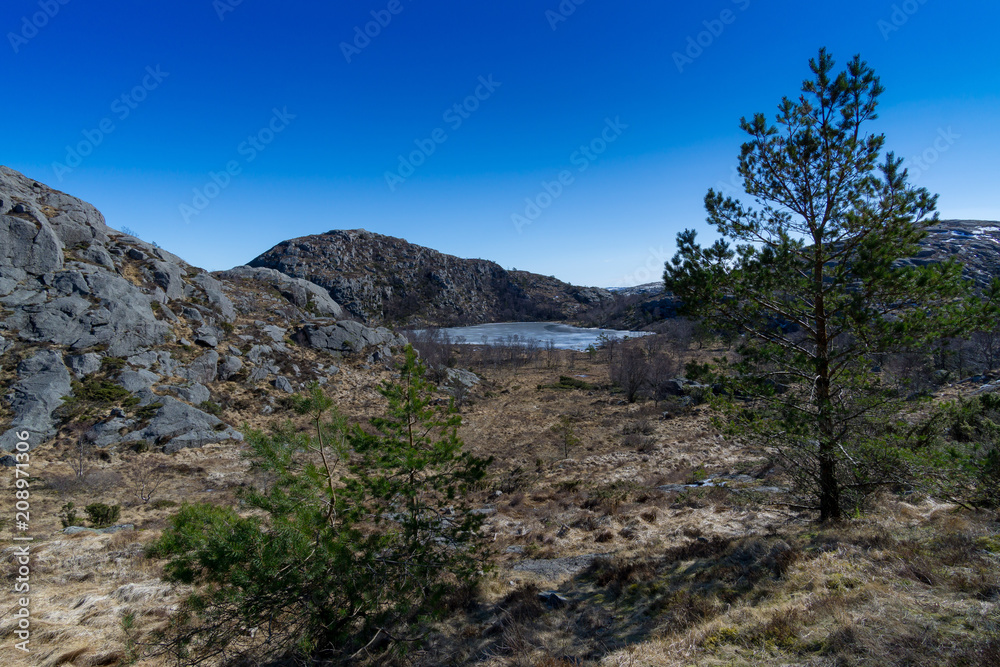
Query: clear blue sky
x=200, y=78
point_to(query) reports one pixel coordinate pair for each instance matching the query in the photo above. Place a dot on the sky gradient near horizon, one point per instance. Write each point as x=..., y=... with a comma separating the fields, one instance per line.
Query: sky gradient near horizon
x=218, y=128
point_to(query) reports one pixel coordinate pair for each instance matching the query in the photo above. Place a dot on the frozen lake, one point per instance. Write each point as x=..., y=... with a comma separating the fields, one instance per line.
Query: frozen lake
x=562, y=336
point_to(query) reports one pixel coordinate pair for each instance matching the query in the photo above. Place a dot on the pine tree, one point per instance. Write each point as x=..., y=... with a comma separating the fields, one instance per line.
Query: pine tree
x=353, y=541
x=809, y=277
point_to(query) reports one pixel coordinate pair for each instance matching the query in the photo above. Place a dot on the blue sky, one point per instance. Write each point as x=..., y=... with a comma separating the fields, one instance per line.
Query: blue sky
x=218, y=129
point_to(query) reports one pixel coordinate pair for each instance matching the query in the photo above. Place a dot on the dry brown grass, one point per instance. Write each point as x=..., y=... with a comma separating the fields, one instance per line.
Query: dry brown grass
x=706, y=576
x=132, y=273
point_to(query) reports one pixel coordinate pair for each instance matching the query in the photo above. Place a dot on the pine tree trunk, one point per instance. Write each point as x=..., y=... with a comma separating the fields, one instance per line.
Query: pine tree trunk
x=829, y=488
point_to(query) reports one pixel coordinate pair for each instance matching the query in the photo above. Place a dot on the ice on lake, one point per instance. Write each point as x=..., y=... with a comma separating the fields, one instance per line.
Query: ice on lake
x=562, y=336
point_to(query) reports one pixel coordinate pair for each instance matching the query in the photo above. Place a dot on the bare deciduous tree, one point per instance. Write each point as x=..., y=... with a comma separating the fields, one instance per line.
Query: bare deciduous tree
x=630, y=370
x=143, y=477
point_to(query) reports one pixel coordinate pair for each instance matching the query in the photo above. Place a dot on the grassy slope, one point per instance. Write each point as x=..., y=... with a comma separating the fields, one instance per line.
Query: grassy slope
x=704, y=576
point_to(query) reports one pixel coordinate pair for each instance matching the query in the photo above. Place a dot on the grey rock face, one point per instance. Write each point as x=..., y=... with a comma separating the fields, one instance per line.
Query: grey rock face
x=73, y=291
x=195, y=393
x=23, y=297
x=347, y=337
x=74, y=221
x=168, y=314
x=70, y=283
x=97, y=255
x=29, y=245
x=43, y=381
x=130, y=322
x=974, y=243
x=177, y=425
x=59, y=321
x=462, y=377
x=138, y=381
x=229, y=367
x=8, y=283
x=160, y=361
x=302, y=293
x=63, y=276
x=207, y=282
x=275, y=333
x=258, y=352
x=107, y=432
x=213, y=292
x=170, y=278
x=167, y=256
x=99, y=308
x=206, y=337
x=259, y=373
x=204, y=369
x=591, y=295
x=380, y=278
x=83, y=365
x=206, y=340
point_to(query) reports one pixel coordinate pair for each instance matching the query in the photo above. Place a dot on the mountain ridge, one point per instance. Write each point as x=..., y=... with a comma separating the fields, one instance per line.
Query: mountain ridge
x=384, y=279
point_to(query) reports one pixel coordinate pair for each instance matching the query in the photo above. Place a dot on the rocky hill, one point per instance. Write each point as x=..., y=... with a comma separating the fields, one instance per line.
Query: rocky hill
x=109, y=341
x=382, y=279
x=974, y=243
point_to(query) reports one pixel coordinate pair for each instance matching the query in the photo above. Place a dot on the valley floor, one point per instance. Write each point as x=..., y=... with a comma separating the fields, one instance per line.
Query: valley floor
x=609, y=548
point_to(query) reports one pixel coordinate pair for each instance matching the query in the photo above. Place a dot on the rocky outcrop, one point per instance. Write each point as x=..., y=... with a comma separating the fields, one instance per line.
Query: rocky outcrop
x=177, y=425
x=381, y=279
x=42, y=383
x=136, y=340
x=973, y=243
x=88, y=307
x=32, y=248
x=347, y=338
x=74, y=292
x=304, y=294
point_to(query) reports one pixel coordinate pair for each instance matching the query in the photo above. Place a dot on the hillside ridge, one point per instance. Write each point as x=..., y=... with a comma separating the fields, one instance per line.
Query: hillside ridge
x=387, y=280
x=110, y=342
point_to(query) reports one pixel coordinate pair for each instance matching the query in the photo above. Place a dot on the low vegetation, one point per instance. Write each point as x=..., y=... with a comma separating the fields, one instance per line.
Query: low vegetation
x=358, y=538
x=656, y=541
